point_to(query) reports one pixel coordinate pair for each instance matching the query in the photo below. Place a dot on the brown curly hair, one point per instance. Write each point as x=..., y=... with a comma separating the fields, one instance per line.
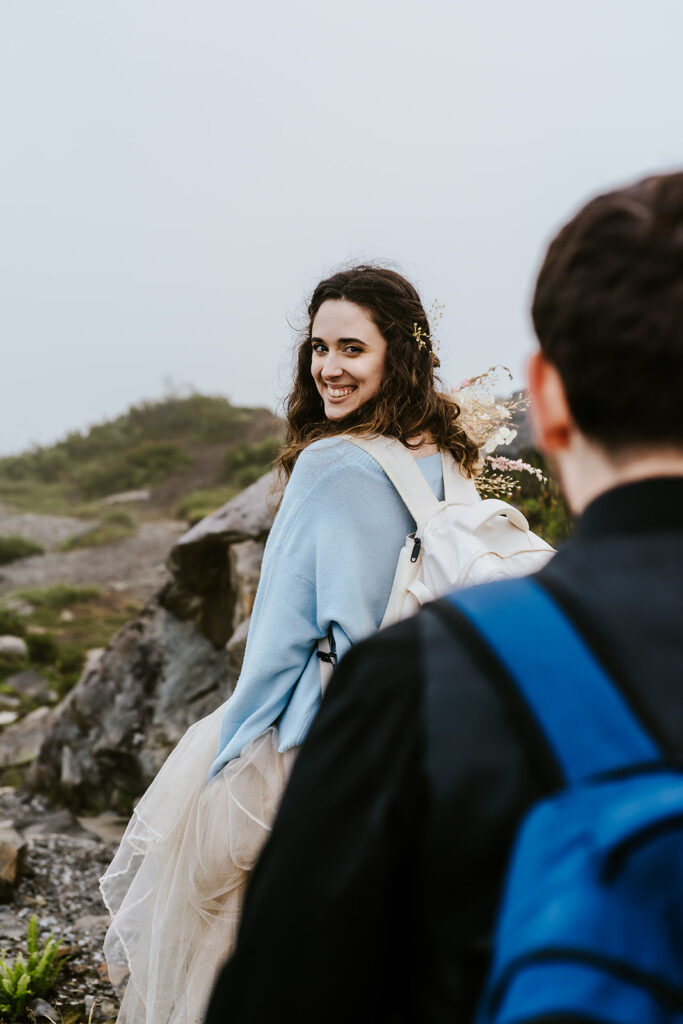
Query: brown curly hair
x=408, y=404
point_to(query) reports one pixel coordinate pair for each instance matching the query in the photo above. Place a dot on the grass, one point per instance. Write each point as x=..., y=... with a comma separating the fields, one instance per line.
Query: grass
x=13, y=548
x=60, y=596
x=58, y=645
x=198, y=504
x=114, y=526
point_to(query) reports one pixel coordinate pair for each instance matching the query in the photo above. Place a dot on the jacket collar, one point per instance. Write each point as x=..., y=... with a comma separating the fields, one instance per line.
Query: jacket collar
x=653, y=504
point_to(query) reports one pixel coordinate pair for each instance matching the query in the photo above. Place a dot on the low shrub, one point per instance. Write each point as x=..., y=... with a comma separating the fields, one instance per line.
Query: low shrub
x=145, y=464
x=60, y=596
x=42, y=648
x=14, y=547
x=198, y=504
x=247, y=462
x=31, y=977
x=11, y=623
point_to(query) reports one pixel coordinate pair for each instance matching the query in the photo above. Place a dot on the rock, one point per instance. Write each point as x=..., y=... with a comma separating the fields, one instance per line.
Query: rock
x=107, y=827
x=174, y=663
x=13, y=647
x=8, y=702
x=57, y=823
x=11, y=927
x=20, y=743
x=7, y=717
x=92, y=923
x=92, y=659
x=245, y=568
x=18, y=605
x=33, y=686
x=42, y=1010
x=235, y=652
x=126, y=496
x=12, y=852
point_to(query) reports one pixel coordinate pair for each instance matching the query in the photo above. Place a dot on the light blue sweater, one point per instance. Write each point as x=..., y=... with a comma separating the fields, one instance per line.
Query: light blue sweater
x=329, y=560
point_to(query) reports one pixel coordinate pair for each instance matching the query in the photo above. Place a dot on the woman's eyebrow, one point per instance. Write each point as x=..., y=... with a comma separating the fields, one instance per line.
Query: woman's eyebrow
x=340, y=341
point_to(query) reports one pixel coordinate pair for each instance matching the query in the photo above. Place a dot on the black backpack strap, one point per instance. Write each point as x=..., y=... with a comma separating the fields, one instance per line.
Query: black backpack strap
x=580, y=711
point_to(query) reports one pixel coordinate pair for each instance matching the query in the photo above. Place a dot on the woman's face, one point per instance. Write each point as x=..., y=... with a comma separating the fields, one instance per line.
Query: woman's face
x=348, y=355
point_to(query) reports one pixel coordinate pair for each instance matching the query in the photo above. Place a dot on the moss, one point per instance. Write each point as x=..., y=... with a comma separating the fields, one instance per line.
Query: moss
x=14, y=547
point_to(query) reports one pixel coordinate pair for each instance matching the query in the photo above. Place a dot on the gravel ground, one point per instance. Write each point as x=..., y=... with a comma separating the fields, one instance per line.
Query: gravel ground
x=60, y=885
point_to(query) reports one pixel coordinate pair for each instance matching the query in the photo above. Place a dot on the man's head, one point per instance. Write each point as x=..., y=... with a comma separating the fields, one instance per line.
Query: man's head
x=608, y=312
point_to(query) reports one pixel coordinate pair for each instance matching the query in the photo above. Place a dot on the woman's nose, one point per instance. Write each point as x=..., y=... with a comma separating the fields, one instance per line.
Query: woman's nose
x=332, y=367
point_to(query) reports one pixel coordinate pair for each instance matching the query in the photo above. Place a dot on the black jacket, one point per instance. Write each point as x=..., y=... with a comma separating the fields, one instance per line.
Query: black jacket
x=376, y=896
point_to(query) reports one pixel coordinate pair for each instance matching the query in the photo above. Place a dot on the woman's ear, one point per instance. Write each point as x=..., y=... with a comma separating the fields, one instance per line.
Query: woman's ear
x=551, y=419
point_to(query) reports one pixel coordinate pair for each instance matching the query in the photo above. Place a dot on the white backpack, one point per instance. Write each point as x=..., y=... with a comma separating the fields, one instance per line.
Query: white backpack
x=458, y=542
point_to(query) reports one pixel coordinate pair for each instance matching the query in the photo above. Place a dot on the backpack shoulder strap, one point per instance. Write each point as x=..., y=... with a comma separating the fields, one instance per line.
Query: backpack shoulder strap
x=457, y=488
x=581, y=712
x=403, y=471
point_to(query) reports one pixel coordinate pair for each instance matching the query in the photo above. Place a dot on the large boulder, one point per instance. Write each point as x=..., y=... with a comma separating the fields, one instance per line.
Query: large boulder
x=175, y=662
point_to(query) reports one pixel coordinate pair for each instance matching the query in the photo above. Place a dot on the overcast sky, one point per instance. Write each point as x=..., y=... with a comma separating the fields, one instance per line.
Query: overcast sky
x=175, y=177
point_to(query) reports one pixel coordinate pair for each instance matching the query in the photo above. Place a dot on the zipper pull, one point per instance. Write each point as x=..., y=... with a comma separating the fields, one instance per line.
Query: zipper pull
x=416, y=550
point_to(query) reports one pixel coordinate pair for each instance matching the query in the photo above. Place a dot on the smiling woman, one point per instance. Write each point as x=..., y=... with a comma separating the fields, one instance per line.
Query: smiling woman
x=365, y=366
x=348, y=355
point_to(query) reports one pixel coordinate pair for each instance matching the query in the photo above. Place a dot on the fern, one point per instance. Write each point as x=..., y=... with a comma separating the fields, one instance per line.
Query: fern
x=29, y=978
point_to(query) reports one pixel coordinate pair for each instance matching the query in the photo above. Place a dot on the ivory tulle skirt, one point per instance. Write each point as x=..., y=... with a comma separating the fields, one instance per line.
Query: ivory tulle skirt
x=176, y=884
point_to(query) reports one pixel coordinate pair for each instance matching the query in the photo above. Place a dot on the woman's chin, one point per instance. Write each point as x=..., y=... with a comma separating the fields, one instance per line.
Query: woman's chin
x=338, y=412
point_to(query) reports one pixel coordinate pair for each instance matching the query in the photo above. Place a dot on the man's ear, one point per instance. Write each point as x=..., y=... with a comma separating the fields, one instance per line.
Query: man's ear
x=551, y=419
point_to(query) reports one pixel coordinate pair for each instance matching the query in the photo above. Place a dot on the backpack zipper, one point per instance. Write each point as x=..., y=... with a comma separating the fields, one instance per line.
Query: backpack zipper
x=416, y=550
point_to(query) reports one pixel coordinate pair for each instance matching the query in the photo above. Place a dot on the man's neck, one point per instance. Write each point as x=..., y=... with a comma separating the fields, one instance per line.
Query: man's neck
x=586, y=471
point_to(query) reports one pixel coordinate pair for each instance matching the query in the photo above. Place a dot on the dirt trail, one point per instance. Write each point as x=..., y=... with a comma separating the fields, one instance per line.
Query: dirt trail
x=134, y=565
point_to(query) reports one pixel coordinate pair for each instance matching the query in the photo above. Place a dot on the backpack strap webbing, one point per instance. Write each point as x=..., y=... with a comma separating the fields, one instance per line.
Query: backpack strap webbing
x=407, y=477
x=403, y=471
x=581, y=712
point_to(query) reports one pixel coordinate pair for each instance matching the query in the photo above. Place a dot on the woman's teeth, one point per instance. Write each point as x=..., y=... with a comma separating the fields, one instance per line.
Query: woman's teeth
x=339, y=392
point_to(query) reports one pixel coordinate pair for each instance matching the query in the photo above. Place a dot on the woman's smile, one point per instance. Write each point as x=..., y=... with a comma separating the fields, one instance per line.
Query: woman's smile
x=347, y=357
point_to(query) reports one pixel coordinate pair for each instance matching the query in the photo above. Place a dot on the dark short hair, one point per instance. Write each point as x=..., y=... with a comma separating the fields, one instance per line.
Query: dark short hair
x=608, y=312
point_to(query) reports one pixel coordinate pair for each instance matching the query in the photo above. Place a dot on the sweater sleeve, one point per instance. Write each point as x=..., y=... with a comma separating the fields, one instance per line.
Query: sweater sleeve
x=329, y=560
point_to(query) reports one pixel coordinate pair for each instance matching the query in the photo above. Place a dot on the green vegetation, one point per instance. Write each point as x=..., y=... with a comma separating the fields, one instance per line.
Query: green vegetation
x=198, y=504
x=11, y=623
x=64, y=624
x=60, y=596
x=245, y=463
x=149, y=444
x=12, y=548
x=542, y=503
x=31, y=977
x=114, y=526
x=145, y=464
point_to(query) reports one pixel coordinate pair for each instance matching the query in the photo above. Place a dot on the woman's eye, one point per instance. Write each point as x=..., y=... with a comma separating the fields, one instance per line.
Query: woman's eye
x=319, y=347
x=353, y=349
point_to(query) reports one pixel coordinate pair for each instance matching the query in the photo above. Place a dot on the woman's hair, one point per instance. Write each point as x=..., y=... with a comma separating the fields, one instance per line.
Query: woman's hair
x=407, y=403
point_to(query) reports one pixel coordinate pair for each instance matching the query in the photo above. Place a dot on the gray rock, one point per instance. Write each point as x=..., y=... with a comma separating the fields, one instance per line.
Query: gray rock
x=92, y=923
x=33, y=686
x=13, y=647
x=20, y=743
x=107, y=827
x=42, y=1010
x=57, y=823
x=12, y=852
x=8, y=702
x=8, y=717
x=124, y=497
x=245, y=569
x=174, y=663
x=11, y=927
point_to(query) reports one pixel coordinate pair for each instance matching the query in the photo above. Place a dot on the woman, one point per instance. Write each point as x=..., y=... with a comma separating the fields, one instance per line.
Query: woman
x=365, y=367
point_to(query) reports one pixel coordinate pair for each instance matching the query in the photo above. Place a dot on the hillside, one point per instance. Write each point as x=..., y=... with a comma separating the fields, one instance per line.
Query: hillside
x=171, y=448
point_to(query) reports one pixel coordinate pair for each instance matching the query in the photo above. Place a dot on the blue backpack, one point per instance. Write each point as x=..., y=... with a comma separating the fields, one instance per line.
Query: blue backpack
x=591, y=926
